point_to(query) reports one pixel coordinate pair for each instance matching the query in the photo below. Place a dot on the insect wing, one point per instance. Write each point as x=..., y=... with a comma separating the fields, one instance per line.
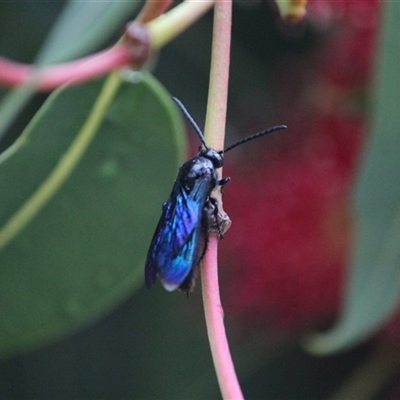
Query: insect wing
x=174, y=248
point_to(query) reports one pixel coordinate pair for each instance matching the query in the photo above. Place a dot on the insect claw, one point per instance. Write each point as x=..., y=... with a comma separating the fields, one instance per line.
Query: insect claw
x=224, y=181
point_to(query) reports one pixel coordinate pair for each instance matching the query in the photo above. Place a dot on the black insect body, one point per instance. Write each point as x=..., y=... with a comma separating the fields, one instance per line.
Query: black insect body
x=181, y=237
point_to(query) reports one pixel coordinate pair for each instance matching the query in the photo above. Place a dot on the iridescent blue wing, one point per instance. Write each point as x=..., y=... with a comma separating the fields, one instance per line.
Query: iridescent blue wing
x=174, y=250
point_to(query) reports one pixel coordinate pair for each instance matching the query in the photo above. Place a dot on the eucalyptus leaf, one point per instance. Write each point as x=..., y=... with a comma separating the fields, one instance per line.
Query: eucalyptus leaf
x=81, y=27
x=373, y=289
x=83, y=249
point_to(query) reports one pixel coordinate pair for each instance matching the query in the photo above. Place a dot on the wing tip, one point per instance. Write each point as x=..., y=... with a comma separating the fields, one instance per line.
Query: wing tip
x=170, y=287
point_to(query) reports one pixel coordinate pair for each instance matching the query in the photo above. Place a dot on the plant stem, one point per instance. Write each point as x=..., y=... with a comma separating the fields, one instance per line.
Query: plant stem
x=214, y=314
x=162, y=30
x=214, y=130
x=215, y=134
x=152, y=9
x=83, y=69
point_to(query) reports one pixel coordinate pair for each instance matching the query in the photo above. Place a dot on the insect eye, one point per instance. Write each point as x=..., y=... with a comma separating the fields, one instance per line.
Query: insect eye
x=218, y=161
x=215, y=157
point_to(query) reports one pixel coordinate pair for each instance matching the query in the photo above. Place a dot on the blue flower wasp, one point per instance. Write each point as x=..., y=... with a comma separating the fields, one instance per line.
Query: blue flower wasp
x=180, y=239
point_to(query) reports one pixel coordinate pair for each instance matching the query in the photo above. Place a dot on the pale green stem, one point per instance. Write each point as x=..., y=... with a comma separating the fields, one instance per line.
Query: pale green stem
x=165, y=28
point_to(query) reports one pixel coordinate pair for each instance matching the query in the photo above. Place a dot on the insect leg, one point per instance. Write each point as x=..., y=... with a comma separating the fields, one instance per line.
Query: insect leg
x=224, y=181
x=214, y=218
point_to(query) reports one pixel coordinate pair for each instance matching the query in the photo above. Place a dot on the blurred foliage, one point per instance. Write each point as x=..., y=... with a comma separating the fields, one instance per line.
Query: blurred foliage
x=373, y=286
x=154, y=345
x=84, y=247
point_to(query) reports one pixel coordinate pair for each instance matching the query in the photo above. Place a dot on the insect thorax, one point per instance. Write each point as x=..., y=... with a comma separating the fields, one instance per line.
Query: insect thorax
x=198, y=168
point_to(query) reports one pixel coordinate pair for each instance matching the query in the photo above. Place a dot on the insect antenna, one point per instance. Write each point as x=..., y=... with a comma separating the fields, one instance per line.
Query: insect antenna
x=192, y=122
x=255, y=136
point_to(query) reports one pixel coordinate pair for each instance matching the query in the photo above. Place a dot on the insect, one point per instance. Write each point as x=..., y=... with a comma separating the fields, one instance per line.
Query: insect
x=180, y=239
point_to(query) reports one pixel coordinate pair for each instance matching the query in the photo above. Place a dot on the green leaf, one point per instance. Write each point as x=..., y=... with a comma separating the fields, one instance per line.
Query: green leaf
x=373, y=289
x=80, y=204
x=81, y=27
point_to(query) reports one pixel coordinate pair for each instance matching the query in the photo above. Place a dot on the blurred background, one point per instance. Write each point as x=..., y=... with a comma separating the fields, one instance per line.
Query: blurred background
x=284, y=259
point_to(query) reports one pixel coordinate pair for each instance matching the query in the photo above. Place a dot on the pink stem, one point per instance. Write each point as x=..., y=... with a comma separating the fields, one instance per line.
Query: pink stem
x=214, y=312
x=12, y=73
x=152, y=9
